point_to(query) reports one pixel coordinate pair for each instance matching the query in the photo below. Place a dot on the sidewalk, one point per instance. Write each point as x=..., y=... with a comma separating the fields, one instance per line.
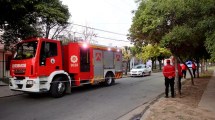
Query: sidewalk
x=6, y=92
x=208, y=98
x=182, y=109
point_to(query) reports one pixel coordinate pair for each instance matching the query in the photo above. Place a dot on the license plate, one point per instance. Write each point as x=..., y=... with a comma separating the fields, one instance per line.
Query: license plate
x=17, y=81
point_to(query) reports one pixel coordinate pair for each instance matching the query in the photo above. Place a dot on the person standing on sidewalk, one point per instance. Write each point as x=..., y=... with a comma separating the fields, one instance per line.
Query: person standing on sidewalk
x=169, y=77
x=194, y=69
x=184, y=70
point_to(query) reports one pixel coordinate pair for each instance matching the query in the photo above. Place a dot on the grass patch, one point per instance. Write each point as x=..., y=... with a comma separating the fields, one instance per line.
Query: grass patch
x=211, y=68
x=207, y=74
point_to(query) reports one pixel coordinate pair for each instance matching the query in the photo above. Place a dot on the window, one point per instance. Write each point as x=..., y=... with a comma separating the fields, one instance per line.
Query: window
x=26, y=50
x=48, y=49
x=85, y=60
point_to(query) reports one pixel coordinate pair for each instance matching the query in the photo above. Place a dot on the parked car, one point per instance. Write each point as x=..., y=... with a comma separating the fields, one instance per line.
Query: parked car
x=140, y=70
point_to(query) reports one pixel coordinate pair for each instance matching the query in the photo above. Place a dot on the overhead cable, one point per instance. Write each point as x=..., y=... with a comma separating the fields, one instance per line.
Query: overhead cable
x=98, y=29
x=104, y=37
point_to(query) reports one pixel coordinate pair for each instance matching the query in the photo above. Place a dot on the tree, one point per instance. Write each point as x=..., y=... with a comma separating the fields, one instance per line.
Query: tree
x=52, y=14
x=127, y=57
x=163, y=53
x=175, y=24
x=153, y=52
x=16, y=21
x=27, y=18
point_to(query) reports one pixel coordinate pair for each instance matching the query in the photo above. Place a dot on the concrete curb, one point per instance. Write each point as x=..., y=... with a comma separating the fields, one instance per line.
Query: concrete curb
x=140, y=112
x=6, y=92
x=11, y=95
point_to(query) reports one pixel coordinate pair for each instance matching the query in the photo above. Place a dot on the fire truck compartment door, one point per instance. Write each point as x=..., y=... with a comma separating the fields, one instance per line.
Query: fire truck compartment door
x=118, y=61
x=98, y=63
x=108, y=60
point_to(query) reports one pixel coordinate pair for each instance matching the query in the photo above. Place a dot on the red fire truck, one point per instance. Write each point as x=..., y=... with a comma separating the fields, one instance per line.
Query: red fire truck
x=45, y=65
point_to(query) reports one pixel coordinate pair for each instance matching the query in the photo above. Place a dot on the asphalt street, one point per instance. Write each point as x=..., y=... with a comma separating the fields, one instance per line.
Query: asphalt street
x=85, y=103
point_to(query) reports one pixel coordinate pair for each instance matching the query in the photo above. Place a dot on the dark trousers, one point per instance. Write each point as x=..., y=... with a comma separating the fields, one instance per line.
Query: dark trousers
x=179, y=83
x=169, y=82
x=194, y=73
x=184, y=73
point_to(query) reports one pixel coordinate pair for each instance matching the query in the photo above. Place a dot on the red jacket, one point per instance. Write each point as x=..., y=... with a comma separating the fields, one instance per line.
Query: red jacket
x=180, y=70
x=193, y=66
x=169, y=71
x=183, y=67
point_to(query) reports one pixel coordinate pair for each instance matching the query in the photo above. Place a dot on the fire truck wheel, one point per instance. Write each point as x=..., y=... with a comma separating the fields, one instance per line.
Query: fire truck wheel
x=109, y=79
x=58, y=87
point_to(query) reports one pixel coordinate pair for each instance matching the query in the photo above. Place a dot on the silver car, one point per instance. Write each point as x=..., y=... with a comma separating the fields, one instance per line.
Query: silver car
x=140, y=70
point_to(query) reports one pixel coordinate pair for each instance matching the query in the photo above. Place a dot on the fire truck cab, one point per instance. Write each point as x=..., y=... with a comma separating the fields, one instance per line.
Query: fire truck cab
x=45, y=65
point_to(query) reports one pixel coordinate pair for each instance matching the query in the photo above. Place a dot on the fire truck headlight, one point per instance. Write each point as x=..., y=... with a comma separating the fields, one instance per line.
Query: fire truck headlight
x=29, y=83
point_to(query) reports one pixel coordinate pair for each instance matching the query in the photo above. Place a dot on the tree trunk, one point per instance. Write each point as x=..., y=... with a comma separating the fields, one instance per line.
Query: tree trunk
x=160, y=65
x=188, y=70
x=152, y=65
x=126, y=70
x=191, y=74
x=155, y=64
x=127, y=67
x=176, y=73
x=202, y=64
x=197, y=70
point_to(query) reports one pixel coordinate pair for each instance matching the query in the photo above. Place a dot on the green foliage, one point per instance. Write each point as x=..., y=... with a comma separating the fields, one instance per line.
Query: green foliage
x=50, y=14
x=153, y=52
x=210, y=45
x=126, y=53
x=185, y=27
x=27, y=18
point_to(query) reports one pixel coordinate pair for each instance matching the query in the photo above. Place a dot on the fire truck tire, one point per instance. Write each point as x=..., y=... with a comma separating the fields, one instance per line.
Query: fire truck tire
x=58, y=87
x=109, y=79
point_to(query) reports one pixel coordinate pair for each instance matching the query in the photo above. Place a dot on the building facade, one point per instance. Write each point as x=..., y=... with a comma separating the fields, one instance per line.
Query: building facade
x=5, y=57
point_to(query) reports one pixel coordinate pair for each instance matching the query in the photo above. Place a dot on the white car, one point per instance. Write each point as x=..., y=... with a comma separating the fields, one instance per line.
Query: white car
x=140, y=70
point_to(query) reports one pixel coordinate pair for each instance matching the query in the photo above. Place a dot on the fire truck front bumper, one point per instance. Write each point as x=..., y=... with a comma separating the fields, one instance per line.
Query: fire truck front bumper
x=27, y=85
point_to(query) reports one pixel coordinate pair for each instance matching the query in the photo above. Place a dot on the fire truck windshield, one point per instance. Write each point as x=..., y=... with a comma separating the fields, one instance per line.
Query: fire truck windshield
x=26, y=50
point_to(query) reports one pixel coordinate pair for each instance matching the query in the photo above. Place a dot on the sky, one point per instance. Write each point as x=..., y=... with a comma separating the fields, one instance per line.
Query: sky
x=108, y=15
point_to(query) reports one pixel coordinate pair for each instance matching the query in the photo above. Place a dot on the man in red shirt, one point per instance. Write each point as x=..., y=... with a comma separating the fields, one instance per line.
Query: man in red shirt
x=194, y=69
x=184, y=70
x=169, y=74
